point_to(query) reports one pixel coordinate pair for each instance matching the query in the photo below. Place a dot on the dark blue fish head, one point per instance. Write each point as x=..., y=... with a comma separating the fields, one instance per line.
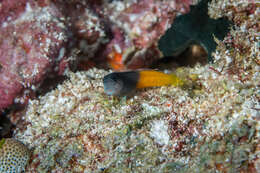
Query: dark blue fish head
x=120, y=83
x=112, y=84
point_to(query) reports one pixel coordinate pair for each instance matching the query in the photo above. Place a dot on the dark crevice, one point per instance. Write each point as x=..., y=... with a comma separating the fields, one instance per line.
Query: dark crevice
x=50, y=84
x=193, y=55
x=5, y=125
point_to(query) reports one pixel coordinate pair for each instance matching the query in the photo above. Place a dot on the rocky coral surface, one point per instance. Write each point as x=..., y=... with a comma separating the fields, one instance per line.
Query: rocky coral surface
x=78, y=128
x=211, y=124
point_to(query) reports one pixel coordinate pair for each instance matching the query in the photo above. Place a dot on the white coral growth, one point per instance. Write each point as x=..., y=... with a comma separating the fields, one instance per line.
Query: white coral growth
x=159, y=131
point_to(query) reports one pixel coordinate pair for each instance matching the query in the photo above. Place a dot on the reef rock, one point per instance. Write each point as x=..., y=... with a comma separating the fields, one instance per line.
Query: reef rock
x=32, y=36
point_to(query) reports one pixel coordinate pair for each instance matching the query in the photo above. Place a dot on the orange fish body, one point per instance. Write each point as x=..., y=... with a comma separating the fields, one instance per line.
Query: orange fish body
x=151, y=78
x=124, y=83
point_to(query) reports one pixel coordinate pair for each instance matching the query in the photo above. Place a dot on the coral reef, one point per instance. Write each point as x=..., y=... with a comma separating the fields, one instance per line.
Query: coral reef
x=211, y=124
x=14, y=156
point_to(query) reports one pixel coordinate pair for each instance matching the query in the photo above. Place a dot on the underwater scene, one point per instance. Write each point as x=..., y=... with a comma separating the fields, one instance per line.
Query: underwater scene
x=129, y=86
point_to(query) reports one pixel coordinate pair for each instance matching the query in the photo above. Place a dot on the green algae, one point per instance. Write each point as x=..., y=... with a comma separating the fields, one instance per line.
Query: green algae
x=2, y=142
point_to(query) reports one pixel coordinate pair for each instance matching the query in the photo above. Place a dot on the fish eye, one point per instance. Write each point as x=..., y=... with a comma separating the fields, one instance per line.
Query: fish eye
x=109, y=82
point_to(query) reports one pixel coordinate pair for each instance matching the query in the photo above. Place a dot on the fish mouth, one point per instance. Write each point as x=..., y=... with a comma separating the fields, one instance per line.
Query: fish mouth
x=109, y=91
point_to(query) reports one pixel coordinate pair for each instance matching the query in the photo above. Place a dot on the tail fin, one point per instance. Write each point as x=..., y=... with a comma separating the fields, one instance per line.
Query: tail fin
x=176, y=81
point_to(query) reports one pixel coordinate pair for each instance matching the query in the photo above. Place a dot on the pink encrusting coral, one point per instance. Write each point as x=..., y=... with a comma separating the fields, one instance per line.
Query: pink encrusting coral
x=146, y=20
x=86, y=25
x=31, y=38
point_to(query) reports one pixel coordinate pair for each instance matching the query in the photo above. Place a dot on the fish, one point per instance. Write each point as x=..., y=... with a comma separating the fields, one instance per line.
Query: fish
x=115, y=60
x=125, y=83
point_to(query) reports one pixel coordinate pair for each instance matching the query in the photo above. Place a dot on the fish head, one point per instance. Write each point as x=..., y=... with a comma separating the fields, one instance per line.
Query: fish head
x=112, y=84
